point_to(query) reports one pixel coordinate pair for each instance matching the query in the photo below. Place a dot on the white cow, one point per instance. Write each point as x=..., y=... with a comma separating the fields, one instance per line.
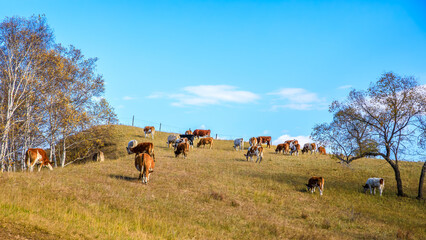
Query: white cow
x=373, y=183
x=171, y=139
x=239, y=144
x=254, y=151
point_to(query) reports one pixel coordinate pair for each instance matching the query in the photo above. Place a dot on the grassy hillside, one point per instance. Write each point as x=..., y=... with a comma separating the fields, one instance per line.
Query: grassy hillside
x=213, y=194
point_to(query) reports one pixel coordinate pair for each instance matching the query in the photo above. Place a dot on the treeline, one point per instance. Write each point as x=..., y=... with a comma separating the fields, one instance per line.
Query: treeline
x=49, y=94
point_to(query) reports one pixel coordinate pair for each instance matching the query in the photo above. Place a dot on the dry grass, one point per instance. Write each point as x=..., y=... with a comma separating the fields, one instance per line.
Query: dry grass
x=210, y=195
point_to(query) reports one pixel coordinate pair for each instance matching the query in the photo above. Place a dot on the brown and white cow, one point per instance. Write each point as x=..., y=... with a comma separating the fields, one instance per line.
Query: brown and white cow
x=145, y=147
x=145, y=165
x=309, y=147
x=182, y=148
x=36, y=156
x=149, y=130
x=264, y=139
x=205, y=141
x=171, y=139
x=254, y=151
x=373, y=183
x=188, y=132
x=321, y=150
x=201, y=133
x=314, y=182
x=253, y=141
x=295, y=148
x=291, y=142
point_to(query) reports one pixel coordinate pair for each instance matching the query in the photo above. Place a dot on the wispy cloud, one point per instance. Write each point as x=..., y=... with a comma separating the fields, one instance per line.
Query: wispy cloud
x=298, y=99
x=345, y=87
x=302, y=139
x=208, y=95
x=127, y=98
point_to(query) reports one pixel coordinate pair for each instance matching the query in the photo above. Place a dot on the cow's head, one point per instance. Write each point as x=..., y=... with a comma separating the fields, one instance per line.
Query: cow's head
x=365, y=188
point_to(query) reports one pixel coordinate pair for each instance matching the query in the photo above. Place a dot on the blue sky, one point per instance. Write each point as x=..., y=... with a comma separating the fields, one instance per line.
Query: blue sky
x=239, y=68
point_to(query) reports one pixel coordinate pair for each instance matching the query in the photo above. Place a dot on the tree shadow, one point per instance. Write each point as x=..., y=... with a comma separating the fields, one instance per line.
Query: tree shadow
x=121, y=177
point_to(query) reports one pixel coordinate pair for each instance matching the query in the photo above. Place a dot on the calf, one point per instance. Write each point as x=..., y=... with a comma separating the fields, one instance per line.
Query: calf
x=145, y=147
x=171, y=139
x=373, y=183
x=314, y=182
x=205, y=141
x=253, y=141
x=264, y=139
x=149, y=130
x=201, y=133
x=145, y=165
x=321, y=150
x=255, y=151
x=35, y=156
x=239, y=144
x=182, y=148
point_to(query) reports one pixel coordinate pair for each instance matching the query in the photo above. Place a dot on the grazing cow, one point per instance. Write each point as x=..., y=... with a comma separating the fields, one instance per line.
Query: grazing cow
x=183, y=148
x=205, y=141
x=188, y=132
x=253, y=141
x=316, y=182
x=373, y=183
x=145, y=165
x=145, y=147
x=286, y=148
x=321, y=150
x=131, y=144
x=309, y=147
x=171, y=139
x=254, y=151
x=201, y=133
x=280, y=147
x=36, y=156
x=264, y=139
x=149, y=130
x=239, y=144
x=190, y=138
x=291, y=142
x=295, y=148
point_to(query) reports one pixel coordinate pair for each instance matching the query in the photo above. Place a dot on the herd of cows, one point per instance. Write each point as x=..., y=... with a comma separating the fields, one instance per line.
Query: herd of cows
x=145, y=157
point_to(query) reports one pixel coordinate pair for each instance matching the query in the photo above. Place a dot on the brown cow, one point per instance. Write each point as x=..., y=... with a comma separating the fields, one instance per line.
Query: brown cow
x=264, y=139
x=291, y=142
x=145, y=165
x=280, y=147
x=145, y=147
x=188, y=132
x=321, y=150
x=286, y=148
x=253, y=141
x=201, y=133
x=149, y=130
x=183, y=148
x=205, y=141
x=316, y=182
x=254, y=151
x=36, y=156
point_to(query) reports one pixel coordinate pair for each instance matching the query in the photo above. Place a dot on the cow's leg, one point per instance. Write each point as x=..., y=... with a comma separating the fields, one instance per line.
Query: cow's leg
x=369, y=186
x=374, y=190
x=320, y=190
x=50, y=166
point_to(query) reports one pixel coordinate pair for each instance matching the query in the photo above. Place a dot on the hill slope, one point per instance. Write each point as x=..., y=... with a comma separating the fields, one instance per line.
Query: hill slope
x=212, y=194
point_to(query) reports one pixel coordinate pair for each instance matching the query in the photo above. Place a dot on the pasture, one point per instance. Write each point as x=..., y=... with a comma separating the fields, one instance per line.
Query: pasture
x=213, y=194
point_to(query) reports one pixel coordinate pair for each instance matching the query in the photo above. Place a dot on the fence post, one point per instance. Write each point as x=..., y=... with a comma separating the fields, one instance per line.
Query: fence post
x=160, y=127
x=133, y=120
x=216, y=136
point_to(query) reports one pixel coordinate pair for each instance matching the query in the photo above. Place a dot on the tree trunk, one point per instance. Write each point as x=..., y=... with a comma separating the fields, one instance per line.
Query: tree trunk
x=398, y=179
x=421, y=181
x=64, y=153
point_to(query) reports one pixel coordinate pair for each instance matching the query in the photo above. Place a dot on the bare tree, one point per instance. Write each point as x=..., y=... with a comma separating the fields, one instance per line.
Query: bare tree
x=377, y=122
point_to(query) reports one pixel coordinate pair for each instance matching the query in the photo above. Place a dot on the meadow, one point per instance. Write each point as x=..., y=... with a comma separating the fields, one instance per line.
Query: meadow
x=213, y=194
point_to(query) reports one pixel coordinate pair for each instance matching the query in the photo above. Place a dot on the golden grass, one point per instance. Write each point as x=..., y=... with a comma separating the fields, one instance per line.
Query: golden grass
x=212, y=194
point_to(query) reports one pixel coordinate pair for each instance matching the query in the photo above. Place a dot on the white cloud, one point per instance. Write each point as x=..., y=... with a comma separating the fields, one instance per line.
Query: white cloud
x=127, y=98
x=208, y=95
x=345, y=87
x=302, y=139
x=298, y=99
x=203, y=126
